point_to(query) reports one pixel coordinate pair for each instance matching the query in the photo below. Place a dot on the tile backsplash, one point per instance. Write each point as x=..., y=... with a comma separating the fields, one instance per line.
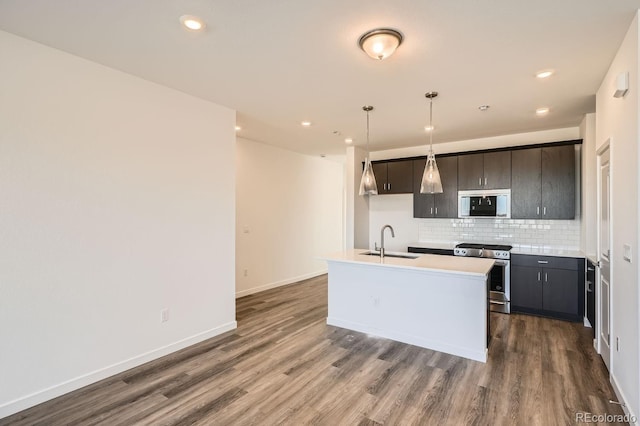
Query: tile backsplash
x=560, y=234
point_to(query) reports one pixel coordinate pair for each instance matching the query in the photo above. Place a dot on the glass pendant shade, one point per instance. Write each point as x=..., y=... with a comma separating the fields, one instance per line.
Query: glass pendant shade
x=368, y=182
x=431, y=183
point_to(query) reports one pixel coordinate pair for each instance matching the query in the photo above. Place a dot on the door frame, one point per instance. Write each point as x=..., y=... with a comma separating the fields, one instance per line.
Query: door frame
x=606, y=147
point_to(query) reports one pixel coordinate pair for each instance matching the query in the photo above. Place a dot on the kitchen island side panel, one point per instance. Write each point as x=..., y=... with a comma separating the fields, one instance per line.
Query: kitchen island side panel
x=442, y=311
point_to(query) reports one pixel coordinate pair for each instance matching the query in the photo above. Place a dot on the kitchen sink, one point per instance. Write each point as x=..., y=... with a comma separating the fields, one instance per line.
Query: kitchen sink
x=399, y=256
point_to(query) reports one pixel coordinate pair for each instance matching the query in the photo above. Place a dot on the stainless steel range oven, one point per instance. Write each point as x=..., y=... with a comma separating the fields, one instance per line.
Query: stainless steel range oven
x=500, y=275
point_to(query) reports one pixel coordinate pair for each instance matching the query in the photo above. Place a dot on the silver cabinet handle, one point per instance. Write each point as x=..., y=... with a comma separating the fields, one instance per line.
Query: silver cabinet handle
x=544, y=211
x=538, y=276
x=485, y=181
x=389, y=186
x=538, y=210
x=480, y=181
x=431, y=210
x=436, y=210
x=591, y=269
x=546, y=278
x=543, y=262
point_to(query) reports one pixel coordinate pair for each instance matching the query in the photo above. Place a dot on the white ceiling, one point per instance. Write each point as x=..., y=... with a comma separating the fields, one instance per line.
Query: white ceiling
x=279, y=62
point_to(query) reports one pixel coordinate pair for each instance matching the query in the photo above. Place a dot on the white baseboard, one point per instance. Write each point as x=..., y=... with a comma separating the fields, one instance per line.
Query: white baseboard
x=27, y=401
x=279, y=283
x=621, y=397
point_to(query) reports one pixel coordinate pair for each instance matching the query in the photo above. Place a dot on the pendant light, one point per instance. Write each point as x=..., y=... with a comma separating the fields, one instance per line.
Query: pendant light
x=431, y=183
x=368, y=182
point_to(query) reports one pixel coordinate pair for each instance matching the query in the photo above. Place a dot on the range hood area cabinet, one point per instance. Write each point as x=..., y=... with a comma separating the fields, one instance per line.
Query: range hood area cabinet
x=443, y=205
x=394, y=176
x=543, y=183
x=491, y=170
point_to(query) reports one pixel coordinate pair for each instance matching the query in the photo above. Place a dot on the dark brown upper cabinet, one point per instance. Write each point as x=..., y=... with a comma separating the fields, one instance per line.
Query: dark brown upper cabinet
x=443, y=205
x=543, y=183
x=394, y=177
x=491, y=170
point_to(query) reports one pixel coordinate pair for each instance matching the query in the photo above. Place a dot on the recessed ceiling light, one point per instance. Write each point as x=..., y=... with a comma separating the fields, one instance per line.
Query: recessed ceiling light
x=192, y=23
x=306, y=123
x=428, y=128
x=542, y=111
x=544, y=73
x=238, y=128
x=484, y=107
x=348, y=141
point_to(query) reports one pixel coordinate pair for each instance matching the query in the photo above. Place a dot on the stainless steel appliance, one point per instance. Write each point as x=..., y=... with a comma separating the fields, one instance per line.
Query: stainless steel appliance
x=500, y=275
x=491, y=203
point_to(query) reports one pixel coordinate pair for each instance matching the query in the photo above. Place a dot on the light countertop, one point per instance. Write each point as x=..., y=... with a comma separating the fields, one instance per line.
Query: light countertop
x=529, y=250
x=440, y=245
x=546, y=251
x=430, y=262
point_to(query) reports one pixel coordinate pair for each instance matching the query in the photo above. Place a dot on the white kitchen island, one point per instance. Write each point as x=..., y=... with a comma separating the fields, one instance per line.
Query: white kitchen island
x=436, y=302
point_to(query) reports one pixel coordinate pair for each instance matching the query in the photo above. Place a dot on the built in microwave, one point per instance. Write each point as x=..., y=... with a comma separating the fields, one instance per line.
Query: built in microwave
x=493, y=203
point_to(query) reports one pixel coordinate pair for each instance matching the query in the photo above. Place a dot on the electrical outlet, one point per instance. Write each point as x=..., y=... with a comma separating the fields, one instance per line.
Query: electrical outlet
x=246, y=272
x=164, y=315
x=617, y=344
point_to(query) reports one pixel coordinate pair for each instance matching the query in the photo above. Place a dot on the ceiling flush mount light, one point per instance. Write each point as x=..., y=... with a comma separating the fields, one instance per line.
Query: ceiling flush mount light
x=484, y=107
x=238, y=128
x=431, y=183
x=348, y=141
x=305, y=123
x=542, y=111
x=368, y=182
x=380, y=43
x=192, y=23
x=544, y=74
x=428, y=128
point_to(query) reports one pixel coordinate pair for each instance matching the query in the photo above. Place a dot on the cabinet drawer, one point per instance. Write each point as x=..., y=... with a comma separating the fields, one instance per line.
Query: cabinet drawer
x=570, y=263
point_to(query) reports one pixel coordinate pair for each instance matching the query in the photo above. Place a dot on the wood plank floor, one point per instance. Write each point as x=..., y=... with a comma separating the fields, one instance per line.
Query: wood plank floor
x=284, y=365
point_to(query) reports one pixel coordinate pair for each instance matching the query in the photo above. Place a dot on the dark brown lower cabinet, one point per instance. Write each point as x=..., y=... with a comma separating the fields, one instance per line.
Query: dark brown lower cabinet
x=548, y=286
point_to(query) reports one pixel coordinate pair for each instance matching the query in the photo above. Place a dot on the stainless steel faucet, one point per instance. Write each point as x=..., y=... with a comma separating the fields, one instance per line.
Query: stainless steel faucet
x=393, y=234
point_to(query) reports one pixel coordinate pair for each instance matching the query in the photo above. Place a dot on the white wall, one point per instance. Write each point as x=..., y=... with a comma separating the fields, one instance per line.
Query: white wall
x=117, y=201
x=518, y=139
x=588, y=231
x=289, y=212
x=617, y=120
x=357, y=209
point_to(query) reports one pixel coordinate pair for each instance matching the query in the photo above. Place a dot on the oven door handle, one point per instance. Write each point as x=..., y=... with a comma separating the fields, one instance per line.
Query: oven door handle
x=501, y=262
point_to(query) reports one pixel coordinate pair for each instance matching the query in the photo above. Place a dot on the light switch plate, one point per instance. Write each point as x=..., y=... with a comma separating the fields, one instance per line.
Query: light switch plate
x=627, y=252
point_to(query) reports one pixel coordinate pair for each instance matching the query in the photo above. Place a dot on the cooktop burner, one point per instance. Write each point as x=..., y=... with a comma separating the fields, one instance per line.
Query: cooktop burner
x=494, y=247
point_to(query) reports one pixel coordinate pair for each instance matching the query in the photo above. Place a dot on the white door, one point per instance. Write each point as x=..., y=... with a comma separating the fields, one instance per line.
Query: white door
x=604, y=254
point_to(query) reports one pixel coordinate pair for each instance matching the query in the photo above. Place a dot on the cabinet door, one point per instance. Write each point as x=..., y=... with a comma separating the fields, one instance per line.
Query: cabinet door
x=526, y=183
x=380, y=172
x=400, y=177
x=422, y=203
x=446, y=204
x=560, y=291
x=470, y=171
x=526, y=287
x=558, y=182
x=497, y=170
